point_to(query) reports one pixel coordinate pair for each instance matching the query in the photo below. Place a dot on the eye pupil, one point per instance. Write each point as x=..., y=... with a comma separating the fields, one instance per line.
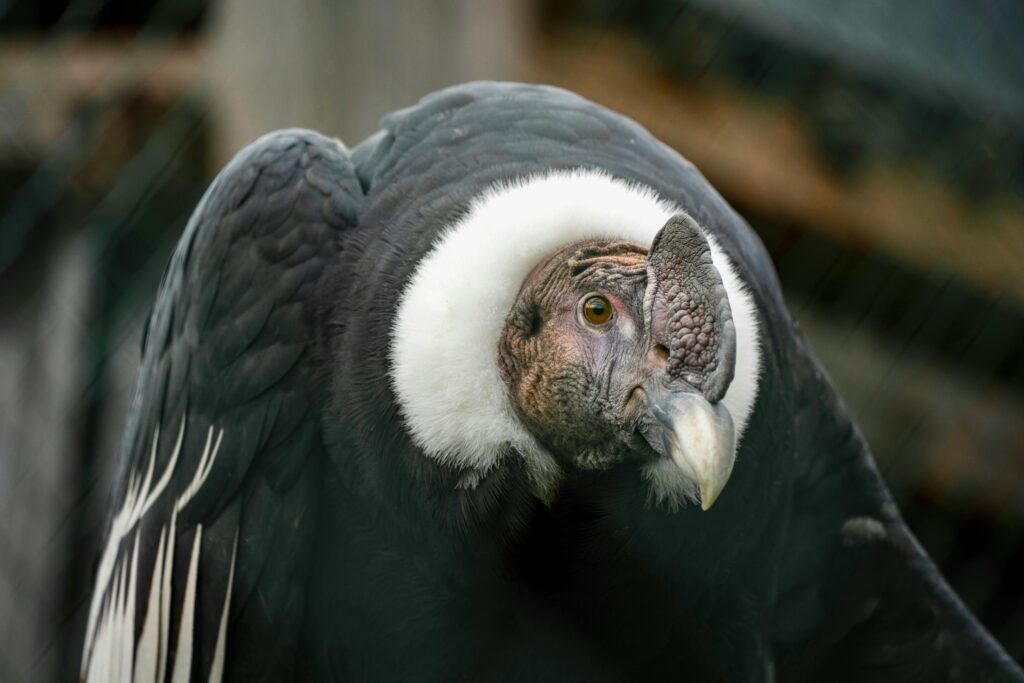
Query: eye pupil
x=597, y=310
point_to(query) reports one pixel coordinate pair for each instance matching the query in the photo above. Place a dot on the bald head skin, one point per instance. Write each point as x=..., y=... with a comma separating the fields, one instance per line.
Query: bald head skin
x=615, y=354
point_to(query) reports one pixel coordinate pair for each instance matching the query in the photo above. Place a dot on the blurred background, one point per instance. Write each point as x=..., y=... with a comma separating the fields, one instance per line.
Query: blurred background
x=877, y=148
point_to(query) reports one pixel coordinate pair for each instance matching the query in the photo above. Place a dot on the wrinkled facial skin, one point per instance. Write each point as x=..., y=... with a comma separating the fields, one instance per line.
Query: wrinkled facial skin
x=575, y=383
x=644, y=383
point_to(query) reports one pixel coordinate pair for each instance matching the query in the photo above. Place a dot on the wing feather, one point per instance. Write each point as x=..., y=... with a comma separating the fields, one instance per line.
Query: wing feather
x=228, y=362
x=859, y=599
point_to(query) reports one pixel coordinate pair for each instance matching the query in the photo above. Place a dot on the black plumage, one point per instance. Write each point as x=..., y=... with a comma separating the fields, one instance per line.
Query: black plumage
x=349, y=555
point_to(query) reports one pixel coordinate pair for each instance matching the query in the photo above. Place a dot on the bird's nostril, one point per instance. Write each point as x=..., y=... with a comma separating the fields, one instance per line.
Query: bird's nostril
x=661, y=352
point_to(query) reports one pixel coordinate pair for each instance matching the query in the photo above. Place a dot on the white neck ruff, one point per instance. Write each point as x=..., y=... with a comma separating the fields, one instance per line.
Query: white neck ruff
x=444, y=351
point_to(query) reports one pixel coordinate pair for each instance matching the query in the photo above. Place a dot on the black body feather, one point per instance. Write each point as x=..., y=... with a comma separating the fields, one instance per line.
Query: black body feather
x=360, y=559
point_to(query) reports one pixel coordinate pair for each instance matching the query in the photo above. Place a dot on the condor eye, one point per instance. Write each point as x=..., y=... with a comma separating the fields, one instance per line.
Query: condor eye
x=597, y=310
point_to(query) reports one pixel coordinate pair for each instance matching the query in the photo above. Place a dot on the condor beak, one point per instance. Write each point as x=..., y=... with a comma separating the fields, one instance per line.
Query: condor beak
x=697, y=435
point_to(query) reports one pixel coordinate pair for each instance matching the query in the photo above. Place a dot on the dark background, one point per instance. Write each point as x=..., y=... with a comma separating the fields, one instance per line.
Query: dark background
x=877, y=148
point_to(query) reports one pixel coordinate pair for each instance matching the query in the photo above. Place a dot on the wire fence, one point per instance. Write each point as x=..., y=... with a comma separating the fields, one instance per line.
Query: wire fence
x=108, y=136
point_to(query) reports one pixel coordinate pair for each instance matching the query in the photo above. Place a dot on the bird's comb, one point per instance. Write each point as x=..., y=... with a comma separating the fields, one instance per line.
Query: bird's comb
x=689, y=308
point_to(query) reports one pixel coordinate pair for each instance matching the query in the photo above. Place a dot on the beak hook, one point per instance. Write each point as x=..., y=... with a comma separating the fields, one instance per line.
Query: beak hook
x=697, y=435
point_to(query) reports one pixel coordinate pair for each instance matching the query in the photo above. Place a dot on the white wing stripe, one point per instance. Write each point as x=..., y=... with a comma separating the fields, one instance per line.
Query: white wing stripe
x=205, y=465
x=122, y=524
x=183, y=653
x=165, y=602
x=216, y=449
x=111, y=652
x=166, y=478
x=117, y=624
x=128, y=616
x=217, y=668
x=99, y=670
x=148, y=650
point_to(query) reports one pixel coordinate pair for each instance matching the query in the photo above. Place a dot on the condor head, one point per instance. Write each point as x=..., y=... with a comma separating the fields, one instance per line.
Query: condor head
x=613, y=352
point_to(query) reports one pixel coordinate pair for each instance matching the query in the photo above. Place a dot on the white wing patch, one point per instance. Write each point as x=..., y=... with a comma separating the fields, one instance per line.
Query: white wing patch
x=186, y=627
x=111, y=652
x=217, y=668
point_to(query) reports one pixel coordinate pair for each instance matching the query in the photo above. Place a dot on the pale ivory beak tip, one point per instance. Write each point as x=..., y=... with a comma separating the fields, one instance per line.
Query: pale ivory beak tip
x=708, y=496
x=698, y=436
x=706, y=447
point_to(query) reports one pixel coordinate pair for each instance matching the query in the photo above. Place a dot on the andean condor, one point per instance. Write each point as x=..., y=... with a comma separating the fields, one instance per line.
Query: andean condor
x=447, y=407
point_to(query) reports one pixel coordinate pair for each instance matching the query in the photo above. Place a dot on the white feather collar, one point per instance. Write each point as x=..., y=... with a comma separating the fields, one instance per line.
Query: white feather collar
x=445, y=340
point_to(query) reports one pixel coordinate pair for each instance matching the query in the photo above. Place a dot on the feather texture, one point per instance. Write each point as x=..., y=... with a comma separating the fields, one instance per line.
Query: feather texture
x=226, y=359
x=338, y=503
x=111, y=649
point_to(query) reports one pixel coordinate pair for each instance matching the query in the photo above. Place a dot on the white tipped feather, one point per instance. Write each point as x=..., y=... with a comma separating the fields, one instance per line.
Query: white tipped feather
x=217, y=668
x=99, y=669
x=165, y=601
x=149, y=647
x=182, y=671
x=127, y=635
x=111, y=652
x=450, y=317
x=139, y=498
x=203, y=471
x=117, y=641
x=116, y=631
